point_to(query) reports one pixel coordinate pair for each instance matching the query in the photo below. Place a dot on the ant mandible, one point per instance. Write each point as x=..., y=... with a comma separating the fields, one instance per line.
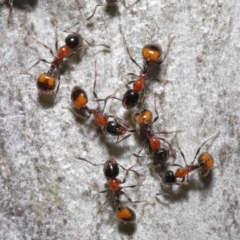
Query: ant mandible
x=205, y=164
x=46, y=82
x=111, y=171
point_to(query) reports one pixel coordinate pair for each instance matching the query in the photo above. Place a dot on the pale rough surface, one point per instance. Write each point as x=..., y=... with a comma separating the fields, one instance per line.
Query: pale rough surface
x=46, y=193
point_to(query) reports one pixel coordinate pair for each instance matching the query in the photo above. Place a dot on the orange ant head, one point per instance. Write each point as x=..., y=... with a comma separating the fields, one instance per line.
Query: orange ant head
x=143, y=117
x=152, y=52
x=46, y=83
x=206, y=162
x=79, y=97
x=74, y=41
x=125, y=214
x=111, y=169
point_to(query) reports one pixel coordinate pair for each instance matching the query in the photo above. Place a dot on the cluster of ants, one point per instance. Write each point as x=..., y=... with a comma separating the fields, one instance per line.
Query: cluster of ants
x=153, y=57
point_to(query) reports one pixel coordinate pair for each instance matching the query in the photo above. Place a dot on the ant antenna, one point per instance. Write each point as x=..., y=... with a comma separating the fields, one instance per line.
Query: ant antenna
x=125, y=43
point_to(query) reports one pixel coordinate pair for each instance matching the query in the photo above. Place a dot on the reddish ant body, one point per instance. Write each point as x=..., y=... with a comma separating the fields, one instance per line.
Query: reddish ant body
x=46, y=82
x=205, y=164
x=111, y=171
x=113, y=127
x=144, y=121
x=151, y=53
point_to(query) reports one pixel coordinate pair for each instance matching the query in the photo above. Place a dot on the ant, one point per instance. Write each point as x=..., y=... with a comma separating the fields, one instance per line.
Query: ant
x=205, y=164
x=109, y=3
x=113, y=127
x=111, y=171
x=151, y=53
x=46, y=82
x=145, y=121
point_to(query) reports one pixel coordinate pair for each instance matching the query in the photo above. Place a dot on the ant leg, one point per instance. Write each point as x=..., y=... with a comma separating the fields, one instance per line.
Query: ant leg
x=50, y=50
x=165, y=55
x=117, y=119
x=40, y=60
x=182, y=154
x=10, y=12
x=213, y=137
x=66, y=30
x=56, y=42
x=143, y=145
x=166, y=133
x=72, y=110
x=127, y=84
x=96, y=45
x=120, y=140
x=58, y=83
x=163, y=185
x=95, y=81
x=123, y=2
x=133, y=74
x=156, y=112
x=100, y=208
x=168, y=48
x=170, y=146
x=125, y=43
x=98, y=5
x=138, y=201
x=127, y=171
x=95, y=94
x=84, y=159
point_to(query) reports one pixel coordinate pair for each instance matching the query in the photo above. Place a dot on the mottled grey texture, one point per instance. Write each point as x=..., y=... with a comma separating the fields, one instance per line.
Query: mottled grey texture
x=46, y=193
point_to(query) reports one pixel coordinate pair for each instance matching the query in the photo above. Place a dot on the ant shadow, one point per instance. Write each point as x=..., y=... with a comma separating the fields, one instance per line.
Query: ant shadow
x=124, y=228
x=46, y=101
x=24, y=4
x=112, y=10
x=127, y=229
